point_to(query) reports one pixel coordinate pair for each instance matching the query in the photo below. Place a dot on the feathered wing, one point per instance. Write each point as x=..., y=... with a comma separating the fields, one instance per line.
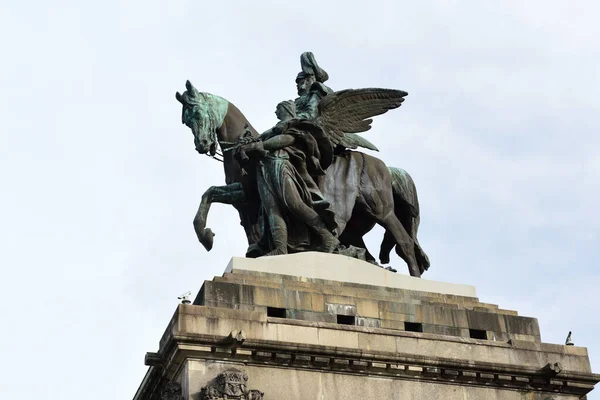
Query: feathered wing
x=345, y=113
x=353, y=140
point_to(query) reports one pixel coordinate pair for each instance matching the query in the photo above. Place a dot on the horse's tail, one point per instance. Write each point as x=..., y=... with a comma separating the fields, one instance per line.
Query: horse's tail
x=406, y=208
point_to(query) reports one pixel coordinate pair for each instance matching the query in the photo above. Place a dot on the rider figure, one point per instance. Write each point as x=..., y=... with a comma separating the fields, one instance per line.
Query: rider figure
x=295, y=215
x=290, y=152
x=310, y=86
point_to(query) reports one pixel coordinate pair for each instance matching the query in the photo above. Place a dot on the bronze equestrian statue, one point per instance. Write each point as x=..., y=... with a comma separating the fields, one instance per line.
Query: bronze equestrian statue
x=301, y=186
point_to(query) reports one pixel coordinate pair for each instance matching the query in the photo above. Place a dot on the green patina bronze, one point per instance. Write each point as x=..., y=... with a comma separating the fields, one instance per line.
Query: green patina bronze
x=204, y=114
x=299, y=186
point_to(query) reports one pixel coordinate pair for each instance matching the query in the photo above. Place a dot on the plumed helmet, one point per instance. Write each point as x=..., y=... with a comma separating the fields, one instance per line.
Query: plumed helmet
x=309, y=66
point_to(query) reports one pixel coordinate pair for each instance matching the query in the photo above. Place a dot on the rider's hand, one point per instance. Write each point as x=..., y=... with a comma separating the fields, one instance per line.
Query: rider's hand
x=256, y=149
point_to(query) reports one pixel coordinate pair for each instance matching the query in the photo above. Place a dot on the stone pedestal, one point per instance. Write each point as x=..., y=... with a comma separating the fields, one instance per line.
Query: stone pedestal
x=321, y=326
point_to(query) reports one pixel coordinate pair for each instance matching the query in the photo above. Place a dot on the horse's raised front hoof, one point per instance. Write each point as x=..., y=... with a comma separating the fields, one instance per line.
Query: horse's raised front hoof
x=207, y=239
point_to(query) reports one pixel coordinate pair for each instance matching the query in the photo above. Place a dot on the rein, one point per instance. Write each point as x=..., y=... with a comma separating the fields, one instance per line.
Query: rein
x=215, y=157
x=217, y=153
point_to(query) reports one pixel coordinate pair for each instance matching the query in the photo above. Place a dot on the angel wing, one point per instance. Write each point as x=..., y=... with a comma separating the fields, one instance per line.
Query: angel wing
x=345, y=113
x=353, y=140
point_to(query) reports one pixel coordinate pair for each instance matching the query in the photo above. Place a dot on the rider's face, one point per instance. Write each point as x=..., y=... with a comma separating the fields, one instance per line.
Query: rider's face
x=303, y=85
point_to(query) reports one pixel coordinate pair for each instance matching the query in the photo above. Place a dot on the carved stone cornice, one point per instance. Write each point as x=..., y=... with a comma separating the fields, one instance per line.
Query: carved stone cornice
x=383, y=364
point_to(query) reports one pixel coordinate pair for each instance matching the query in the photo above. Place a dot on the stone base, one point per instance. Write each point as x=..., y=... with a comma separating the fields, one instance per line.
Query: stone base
x=337, y=268
x=261, y=331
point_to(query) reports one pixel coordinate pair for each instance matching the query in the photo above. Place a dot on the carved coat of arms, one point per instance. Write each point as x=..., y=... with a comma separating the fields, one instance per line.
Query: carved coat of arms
x=230, y=384
x=171, y=391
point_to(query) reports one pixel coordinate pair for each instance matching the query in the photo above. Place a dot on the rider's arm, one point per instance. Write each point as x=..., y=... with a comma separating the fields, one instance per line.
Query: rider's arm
x=266, y=134
x=278, y=142
x=276, y=130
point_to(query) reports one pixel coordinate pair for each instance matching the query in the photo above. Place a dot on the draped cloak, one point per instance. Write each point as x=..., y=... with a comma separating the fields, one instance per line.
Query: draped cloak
x=301, y=165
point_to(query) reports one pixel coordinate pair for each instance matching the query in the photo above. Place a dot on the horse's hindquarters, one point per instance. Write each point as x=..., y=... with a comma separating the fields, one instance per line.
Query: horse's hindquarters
x=375, y=187
x=340, y=187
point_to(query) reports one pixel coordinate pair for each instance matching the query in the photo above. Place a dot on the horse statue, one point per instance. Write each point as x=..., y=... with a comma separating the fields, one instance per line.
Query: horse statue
x=362, y=190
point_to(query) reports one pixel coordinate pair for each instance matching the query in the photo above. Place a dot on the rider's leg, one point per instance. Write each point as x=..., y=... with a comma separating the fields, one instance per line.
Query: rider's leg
x=279, y=235
x=275, y=223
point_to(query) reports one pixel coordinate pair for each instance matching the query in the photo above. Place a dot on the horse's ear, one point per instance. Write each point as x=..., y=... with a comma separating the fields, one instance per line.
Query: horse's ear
x=178, y=97
x=192, y=91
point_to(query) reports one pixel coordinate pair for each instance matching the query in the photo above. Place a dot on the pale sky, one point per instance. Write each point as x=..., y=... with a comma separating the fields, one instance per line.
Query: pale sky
x=100, y=180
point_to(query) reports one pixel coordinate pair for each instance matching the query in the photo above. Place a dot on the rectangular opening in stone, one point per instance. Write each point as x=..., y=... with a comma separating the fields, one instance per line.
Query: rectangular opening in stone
x=413, y=326
x=275, y=312
x=346, y=319
x=478, y=334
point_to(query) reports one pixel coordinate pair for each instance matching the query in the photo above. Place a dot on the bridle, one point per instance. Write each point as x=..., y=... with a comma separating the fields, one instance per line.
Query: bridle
x=216, y=156
x=219, y=151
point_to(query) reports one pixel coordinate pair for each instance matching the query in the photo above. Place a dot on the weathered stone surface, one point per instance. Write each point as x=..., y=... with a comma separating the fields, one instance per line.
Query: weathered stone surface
x=442, y=316
x=317, y=302
x=485, y=321
x=367, y=308
x=368, y=322
x=268, y=297
x=221, y=322
x=358, y=291
x=312, y=353
x=312, y=316
x=389, y=316
x=288, y=282
x=522, y=325
x=340, y=309
x=391, y=308
x=309, y=384
x=223, y=292
x=442, y=330
x=392, y=324
x=344, y=300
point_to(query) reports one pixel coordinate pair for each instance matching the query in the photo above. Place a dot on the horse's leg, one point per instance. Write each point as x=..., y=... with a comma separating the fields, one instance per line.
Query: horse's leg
x=357, y=227
x=387, y=244
x=378, y=200
x=406, y=206
x=227, y=194
x=405, y=245
x=422, y=258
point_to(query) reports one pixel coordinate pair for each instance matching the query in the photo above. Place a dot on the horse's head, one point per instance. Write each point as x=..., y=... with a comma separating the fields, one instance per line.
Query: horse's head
x=204, y=114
